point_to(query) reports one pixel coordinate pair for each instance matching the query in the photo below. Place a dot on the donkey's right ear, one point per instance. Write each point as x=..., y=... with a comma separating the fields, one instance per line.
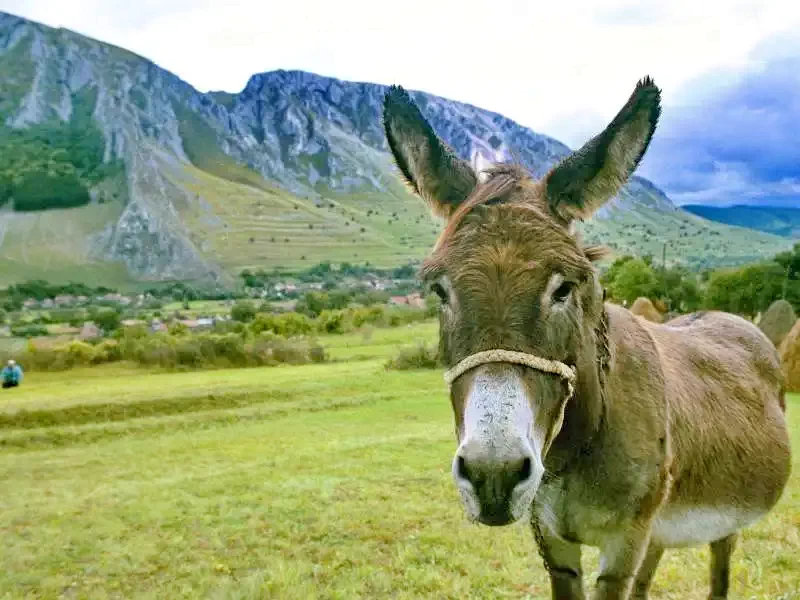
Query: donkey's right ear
x=431, y=168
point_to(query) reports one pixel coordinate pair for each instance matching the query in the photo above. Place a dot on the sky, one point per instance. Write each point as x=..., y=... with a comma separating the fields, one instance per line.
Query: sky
x=561, y=67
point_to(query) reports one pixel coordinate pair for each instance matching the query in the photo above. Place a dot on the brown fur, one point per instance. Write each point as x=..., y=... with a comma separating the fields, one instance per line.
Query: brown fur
x=675, y=416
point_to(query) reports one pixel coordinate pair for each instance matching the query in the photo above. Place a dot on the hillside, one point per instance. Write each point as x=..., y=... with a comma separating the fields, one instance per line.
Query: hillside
x=114, y=170
x=776, y=220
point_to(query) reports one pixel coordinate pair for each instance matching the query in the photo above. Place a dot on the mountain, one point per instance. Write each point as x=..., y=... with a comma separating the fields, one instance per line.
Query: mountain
x=115, y=170
x=778, y=220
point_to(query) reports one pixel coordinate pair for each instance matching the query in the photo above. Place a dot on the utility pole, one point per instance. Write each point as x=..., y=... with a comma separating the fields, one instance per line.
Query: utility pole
x=664, y=275
x=786, y=282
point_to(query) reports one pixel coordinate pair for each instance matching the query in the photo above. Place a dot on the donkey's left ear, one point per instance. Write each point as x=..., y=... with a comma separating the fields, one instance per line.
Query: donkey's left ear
x=591, y=176
x=432, y=169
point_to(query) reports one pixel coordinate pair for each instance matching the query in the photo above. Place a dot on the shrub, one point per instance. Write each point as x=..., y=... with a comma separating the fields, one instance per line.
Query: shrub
x=778, y=321
x=420, y=356
x=286, y=325
x=371, y=315
x=178, y=329
x=107, y=351
x=330, y=321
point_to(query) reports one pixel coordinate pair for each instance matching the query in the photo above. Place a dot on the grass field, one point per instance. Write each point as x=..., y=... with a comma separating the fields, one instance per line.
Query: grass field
x=320, y=481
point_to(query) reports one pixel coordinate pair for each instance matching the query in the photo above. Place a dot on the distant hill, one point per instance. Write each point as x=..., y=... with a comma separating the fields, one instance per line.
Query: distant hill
x=776, y=220
x=115, y=171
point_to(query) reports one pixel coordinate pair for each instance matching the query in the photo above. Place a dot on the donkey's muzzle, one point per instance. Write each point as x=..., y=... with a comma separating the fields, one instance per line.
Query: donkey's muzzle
x=495, y=486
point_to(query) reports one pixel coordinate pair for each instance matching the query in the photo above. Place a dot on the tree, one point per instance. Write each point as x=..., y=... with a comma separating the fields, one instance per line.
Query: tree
x=243, y=311
x=313, y=303
x=631, y=279
x=679, y=287
x=107, y=320
x=747, y=290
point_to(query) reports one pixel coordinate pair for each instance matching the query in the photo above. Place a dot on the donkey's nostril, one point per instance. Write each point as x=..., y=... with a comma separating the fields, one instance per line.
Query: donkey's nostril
x=461, y=468
x=526, y=469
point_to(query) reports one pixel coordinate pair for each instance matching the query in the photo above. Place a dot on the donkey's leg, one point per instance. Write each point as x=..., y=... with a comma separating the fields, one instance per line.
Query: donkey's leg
x=721, y=551
x=563, y=563
x=620, y=559
x=646, y=571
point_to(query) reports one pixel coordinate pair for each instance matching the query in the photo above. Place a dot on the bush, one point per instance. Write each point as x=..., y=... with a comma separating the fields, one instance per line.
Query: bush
x=778, y=321
x=286, y=325
x=420, y=356
x=330, y=321
x=371, y=315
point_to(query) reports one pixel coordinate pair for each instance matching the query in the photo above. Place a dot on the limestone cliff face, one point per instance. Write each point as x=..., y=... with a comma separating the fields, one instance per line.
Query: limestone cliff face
x=314, y=136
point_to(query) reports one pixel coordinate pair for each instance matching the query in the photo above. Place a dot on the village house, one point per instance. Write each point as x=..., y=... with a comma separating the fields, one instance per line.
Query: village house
x=413, y=300
x=131, y=322
x=89, y=331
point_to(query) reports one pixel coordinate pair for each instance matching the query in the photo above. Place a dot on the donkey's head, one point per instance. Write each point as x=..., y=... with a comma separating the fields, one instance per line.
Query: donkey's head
x=511, y=275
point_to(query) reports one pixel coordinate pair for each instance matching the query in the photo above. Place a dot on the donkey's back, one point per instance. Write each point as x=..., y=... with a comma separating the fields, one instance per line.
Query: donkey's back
x=730, y=444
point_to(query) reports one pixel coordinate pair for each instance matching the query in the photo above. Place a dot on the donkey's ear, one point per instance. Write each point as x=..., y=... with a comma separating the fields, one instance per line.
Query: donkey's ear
x=591, y=176
x=431, y=168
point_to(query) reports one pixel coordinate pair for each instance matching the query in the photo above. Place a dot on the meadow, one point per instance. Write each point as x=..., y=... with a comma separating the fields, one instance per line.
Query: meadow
x=318, y=481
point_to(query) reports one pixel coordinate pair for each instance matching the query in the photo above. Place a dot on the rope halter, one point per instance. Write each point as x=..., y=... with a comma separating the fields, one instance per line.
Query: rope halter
x=519, y=358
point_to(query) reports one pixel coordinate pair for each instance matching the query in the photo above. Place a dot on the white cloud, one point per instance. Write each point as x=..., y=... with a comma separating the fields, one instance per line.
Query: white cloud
x=562, y=68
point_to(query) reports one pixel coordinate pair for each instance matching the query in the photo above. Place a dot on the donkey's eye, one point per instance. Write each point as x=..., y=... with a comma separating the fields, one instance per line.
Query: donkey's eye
x=563, y=292
x=437, y=289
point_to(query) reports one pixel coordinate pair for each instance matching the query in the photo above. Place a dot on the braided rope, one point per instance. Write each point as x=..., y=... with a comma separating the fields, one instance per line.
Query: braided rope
x=520, y=358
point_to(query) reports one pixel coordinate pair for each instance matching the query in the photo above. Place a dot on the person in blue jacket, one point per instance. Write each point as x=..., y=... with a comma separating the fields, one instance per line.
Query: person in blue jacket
x=11, y=375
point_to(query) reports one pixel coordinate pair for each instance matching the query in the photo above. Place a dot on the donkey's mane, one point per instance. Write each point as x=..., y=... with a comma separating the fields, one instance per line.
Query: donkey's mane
x=501, y=179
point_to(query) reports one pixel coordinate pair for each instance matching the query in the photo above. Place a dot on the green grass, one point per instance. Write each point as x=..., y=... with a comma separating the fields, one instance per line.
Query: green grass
x=691, y=240
x=240, y=225
x=321, y=481
x=55, y=245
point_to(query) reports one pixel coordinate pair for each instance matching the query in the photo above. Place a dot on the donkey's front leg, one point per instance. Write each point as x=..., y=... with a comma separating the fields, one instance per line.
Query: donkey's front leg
x=620, y=560
x=562, y=561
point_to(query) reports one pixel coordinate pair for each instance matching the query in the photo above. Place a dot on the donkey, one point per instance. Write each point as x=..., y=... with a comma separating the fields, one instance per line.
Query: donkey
x=599, y=427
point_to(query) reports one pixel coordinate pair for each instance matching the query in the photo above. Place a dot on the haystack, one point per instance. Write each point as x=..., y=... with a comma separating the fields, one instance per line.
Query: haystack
x=644, y=308
x=790, y=358
x=778, y=321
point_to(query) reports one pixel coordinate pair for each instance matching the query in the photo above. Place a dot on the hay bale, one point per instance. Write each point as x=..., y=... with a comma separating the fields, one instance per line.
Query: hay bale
x=778, y=321
x=789, y=352
x=644, y=308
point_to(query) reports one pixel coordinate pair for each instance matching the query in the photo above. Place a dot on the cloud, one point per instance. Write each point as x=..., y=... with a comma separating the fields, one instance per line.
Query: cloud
x=541, y=64
x=735, y=138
